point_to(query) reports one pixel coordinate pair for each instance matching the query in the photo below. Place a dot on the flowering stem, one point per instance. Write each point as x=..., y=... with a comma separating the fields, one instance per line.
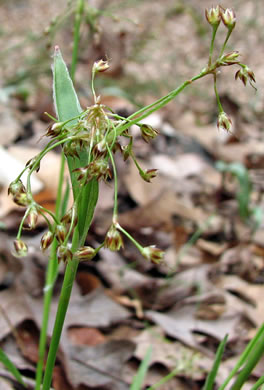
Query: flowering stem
x=227, y=38
x=115, y=211
x=158, y=104
x=220, y=107
x=137, y=245
x=65, y=295
x=215, y=27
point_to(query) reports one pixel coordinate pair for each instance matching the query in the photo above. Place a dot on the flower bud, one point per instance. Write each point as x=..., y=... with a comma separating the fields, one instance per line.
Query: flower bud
x=32, y=218
x=16, y=187
x=67, y=218
x=20, y=248
x=100, y=66
x=64, y=254
x=147, y=132
x=213, y=15
x=228, y=17
x=54, y=129
x=113, y=239
x=60, y=233
x=127, y=150
x=153, y=254
x=148, y=174
x=85, y=253
x=229, y=58
x=224, y=122
x=46, y=240
x=31, y=163
x=21, y=199
x=244, y=74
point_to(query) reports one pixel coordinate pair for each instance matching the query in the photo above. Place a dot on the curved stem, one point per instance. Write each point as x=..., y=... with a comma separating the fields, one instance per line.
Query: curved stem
x=154, y=106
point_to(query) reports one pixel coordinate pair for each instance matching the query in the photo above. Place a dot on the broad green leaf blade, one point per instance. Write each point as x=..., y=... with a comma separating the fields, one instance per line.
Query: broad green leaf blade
x=11, y=367
x=67, y=106
x=209, y=384
x=143, y=368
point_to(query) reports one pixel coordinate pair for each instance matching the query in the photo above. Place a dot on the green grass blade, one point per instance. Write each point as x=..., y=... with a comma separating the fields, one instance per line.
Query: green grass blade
x=244, y=356
x=143, y=368
x=209, y=384
x=259, y=382
x=253, y=359
x=11, y=367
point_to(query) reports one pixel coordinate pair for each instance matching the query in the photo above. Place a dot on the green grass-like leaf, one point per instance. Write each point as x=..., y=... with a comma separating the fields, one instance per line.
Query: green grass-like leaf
x=143, y=368
x=212, y=374
x=11, y=367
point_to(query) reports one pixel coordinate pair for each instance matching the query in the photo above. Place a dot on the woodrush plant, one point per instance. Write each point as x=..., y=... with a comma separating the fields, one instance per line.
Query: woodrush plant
x=89, y=139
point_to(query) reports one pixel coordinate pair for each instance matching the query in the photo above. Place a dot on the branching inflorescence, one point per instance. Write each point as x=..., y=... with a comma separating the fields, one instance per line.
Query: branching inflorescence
x=89, y=140
x=98, y=131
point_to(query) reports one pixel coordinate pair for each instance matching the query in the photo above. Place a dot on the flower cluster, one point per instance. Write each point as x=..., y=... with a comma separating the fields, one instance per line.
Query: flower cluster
x=92, y=137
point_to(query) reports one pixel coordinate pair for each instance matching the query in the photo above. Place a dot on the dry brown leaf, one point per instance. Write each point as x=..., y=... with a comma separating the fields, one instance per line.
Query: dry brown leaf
x=85, y=336
x=170, y=354
x=14, y=309
x=101, y=365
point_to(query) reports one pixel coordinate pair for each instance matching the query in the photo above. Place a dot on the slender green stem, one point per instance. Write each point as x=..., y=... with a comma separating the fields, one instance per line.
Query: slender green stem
x=115, y=209
x=137, y=245
x=158, y=104
x=50, y=280
x=76, y=39
x=65, y=295
x=215, y=27
x=22, y=223
x=220, y=107
x=165, y=379
x=224, y=45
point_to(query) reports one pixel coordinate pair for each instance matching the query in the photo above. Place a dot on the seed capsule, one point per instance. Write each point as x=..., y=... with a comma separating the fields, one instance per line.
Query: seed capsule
x=20, y=248
x=113, y=239
x=46, y=240
x=155, y=255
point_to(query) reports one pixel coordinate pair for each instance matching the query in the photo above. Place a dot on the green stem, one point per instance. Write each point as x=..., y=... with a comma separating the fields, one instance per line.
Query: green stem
x=224, y=45
x=65, y=295
x=137, y=245
x=215, y=27
x=76, y=39
x=115, y=209
x=50, y=280
x=158, y=104
x=165, y=379
x=220, y=107
x=53, y=264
